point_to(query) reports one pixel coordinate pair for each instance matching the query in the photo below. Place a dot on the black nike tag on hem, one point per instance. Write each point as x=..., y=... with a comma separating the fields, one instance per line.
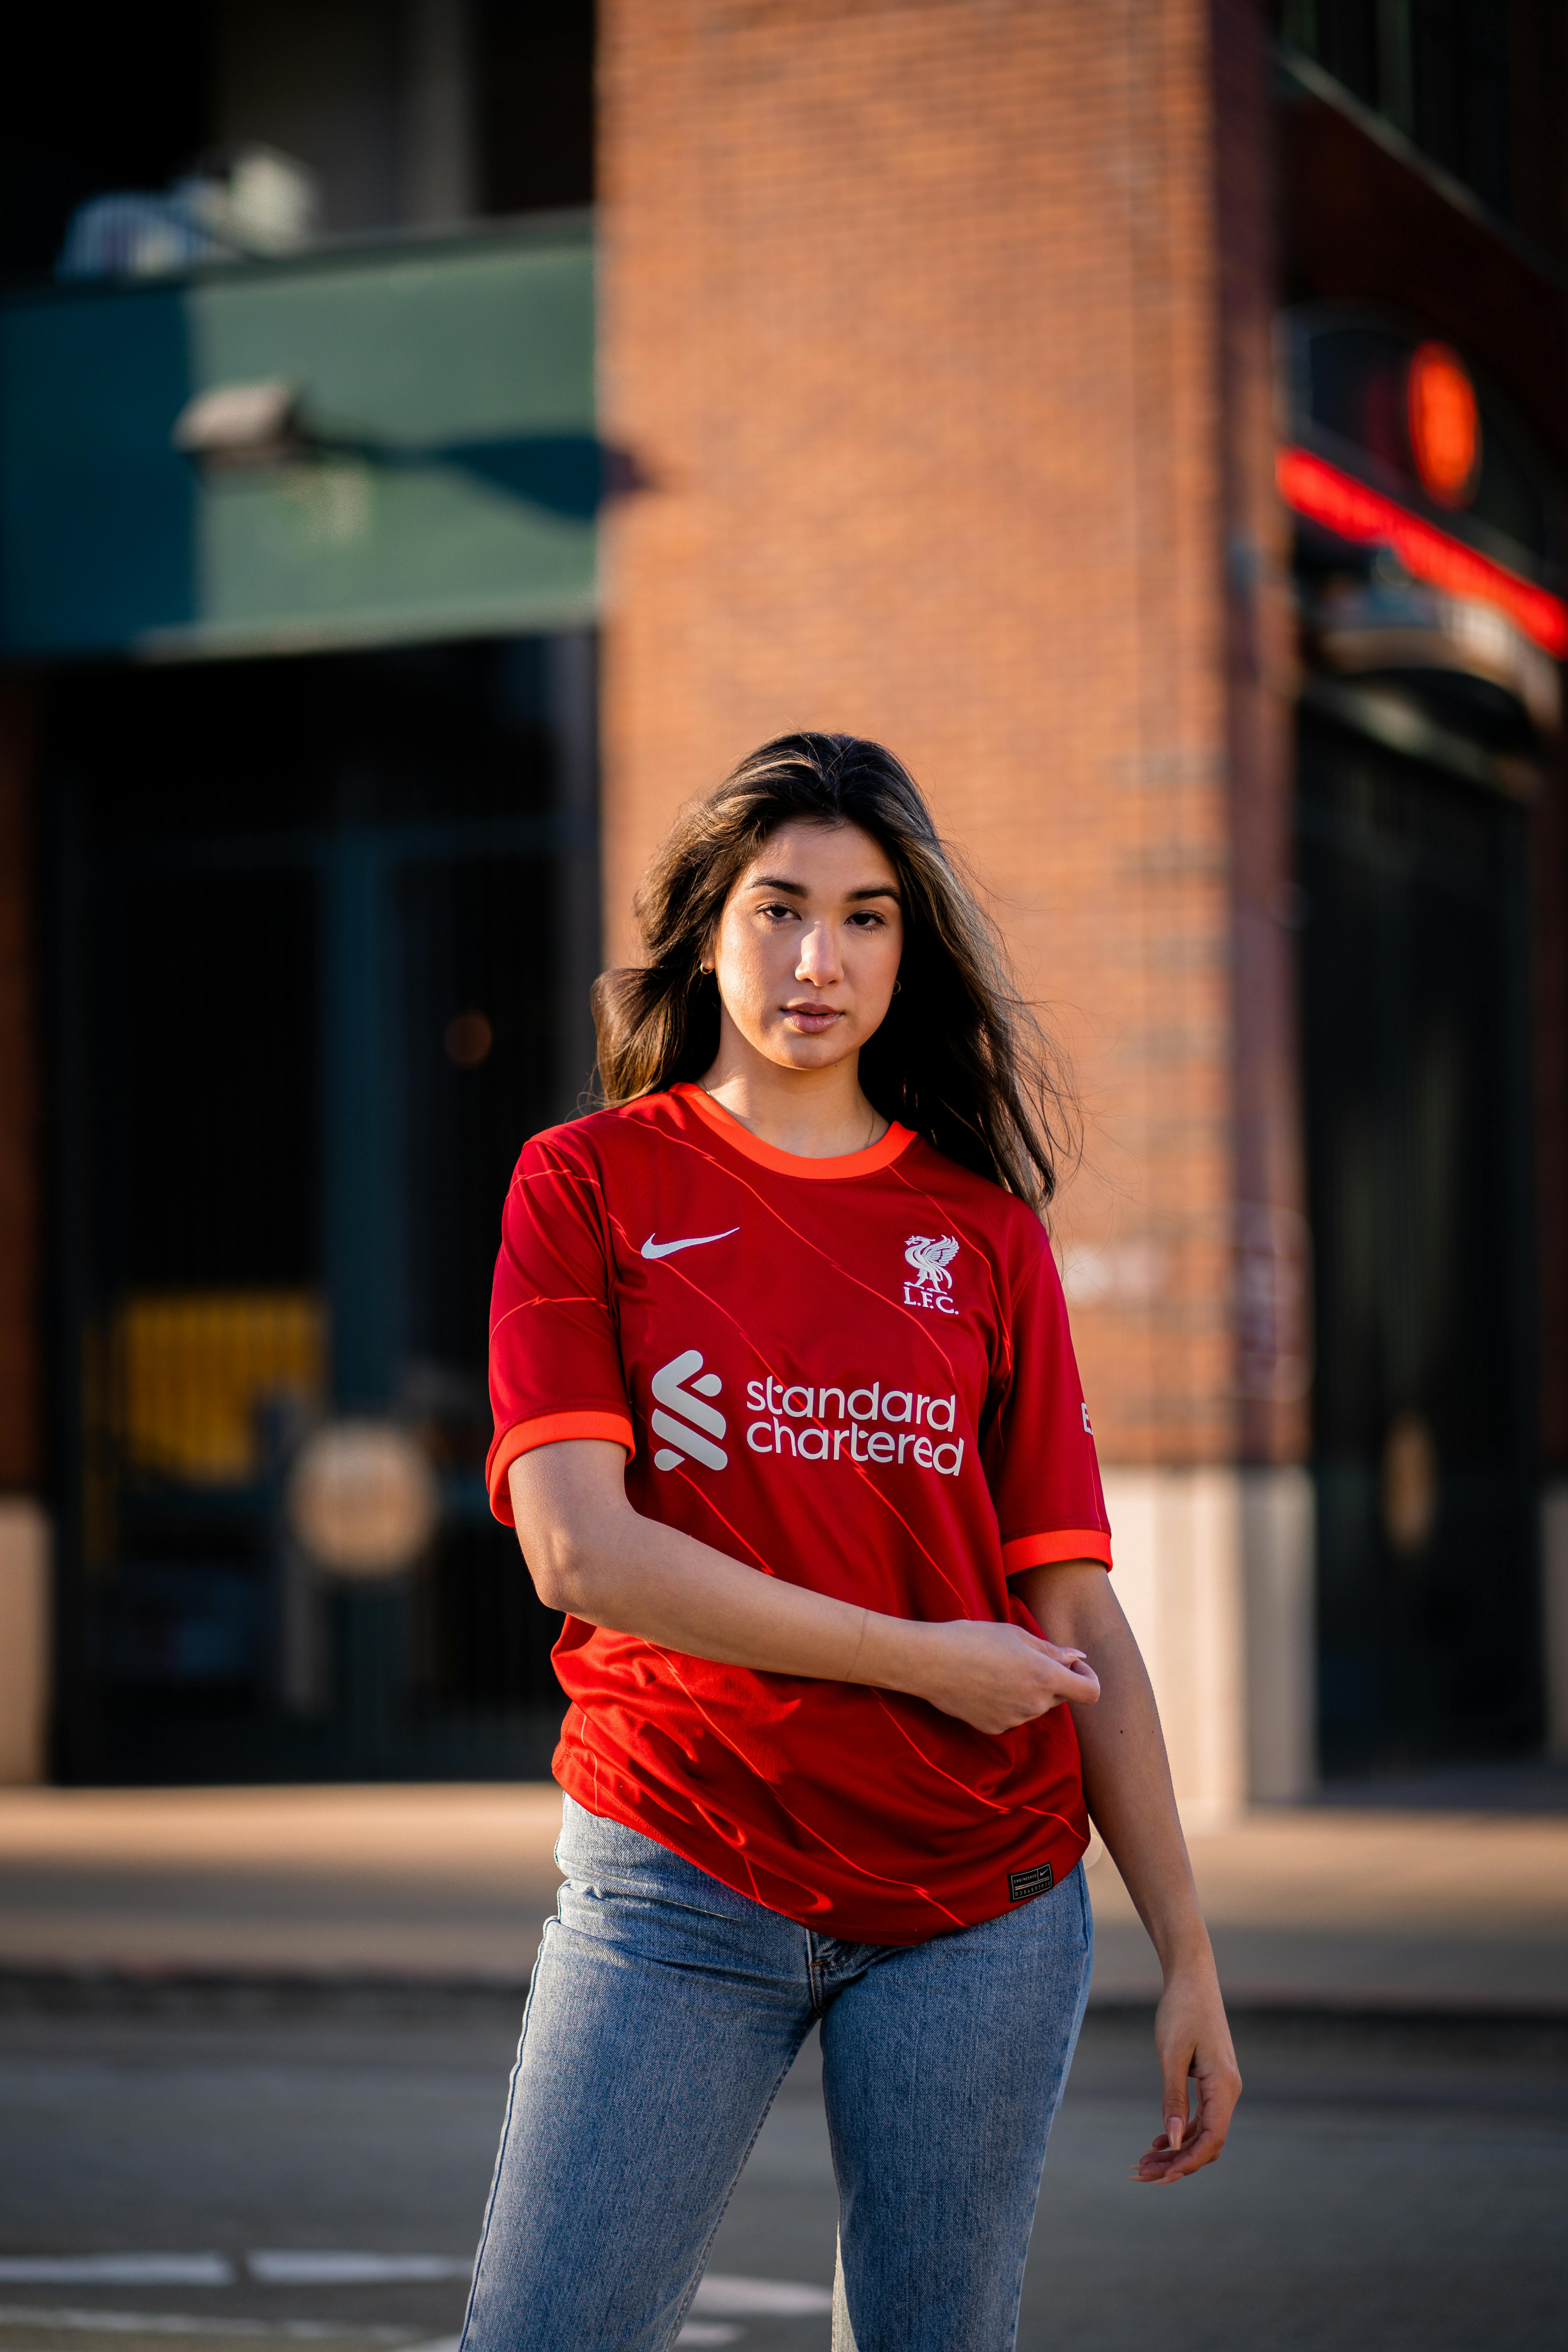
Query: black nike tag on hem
x=1023, y=1886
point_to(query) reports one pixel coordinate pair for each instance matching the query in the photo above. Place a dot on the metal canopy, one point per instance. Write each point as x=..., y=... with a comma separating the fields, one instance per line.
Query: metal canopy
x=440, y=477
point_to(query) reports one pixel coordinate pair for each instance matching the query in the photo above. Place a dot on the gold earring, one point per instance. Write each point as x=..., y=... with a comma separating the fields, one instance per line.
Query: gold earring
x=896, y=985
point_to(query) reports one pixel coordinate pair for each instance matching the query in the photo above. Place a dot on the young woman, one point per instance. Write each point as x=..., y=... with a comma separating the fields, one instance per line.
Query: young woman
x=789, y=1425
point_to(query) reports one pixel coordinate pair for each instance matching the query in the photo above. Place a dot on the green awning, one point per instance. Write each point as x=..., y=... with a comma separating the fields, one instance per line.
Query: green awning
x=448, y=484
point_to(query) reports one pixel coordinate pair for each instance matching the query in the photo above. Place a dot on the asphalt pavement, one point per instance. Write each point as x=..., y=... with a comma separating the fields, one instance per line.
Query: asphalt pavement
x=191, y=2171
x=254, y=2047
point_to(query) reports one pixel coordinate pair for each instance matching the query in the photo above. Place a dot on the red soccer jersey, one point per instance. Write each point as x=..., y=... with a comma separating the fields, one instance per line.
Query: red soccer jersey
x=854, y=1373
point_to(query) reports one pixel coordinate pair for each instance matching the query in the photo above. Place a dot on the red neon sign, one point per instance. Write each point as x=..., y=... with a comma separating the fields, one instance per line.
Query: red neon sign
x=1311, y=487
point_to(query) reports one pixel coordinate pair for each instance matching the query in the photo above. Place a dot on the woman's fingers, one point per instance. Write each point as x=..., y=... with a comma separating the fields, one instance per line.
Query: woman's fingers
x=1079, y=1684
x=1047, y=1683
x=1083, y=1687
x=1200, y=2146
x=1185, y=2147
x=1176, y=2068
x=1193, y=2044
x=996, y=1678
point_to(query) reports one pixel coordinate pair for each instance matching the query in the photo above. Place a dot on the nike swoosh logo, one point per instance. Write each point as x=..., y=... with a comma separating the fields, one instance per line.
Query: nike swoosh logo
x=651, y=1248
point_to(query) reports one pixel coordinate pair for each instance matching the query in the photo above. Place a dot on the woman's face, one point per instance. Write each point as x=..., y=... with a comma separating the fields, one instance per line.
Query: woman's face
x=808, y=944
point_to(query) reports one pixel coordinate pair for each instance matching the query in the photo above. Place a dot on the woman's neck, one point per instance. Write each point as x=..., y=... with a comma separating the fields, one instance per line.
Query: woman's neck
x=815, y=1114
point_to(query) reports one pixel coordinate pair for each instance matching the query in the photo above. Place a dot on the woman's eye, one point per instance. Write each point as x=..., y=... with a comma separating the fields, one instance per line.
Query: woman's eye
x=869, y=919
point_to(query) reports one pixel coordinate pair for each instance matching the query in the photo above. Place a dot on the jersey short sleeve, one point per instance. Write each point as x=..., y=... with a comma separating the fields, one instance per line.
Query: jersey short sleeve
x=555, y=1363
x=1039, y=1449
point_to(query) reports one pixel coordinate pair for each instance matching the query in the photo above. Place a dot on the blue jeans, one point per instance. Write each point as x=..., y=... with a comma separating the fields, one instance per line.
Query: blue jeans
x=664, y=2013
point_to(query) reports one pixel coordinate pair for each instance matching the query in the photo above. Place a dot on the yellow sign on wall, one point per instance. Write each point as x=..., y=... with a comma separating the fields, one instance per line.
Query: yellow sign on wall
x=195, y=1370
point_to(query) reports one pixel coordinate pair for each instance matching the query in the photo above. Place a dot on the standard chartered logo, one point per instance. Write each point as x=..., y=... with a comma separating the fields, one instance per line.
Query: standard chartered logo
x=836, y=1424
x=688, y=1426
x=901, y=1427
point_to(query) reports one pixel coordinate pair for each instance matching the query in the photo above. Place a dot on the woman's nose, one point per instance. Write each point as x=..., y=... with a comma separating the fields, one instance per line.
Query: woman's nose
x=818, y=956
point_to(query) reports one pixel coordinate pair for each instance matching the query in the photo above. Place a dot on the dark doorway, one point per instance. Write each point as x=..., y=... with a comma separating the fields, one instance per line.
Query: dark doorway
x=323, y=931
x=1416, y=1038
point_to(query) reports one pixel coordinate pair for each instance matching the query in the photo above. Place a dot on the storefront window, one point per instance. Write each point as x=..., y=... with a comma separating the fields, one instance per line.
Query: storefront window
x=1437, y=72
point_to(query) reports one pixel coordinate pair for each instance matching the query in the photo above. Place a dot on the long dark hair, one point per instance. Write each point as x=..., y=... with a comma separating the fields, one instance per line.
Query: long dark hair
x=960, y=1056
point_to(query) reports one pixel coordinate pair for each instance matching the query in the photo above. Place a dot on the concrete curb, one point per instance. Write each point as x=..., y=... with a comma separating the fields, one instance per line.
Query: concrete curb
x=138, y=1987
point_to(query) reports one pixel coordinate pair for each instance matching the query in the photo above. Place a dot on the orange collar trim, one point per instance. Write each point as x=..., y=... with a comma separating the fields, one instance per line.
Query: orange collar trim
x=790, y=1163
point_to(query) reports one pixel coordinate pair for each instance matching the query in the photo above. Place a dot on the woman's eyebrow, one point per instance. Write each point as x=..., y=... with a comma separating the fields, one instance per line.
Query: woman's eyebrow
x=799, y=891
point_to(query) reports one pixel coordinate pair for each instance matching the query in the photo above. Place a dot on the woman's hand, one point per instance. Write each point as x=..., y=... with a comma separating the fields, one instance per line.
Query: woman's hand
x=1128, y=1784
x=1191, y=2041
x=993, y=1676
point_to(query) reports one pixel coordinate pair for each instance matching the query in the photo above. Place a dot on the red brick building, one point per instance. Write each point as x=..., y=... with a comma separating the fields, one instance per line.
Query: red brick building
x=946, y=351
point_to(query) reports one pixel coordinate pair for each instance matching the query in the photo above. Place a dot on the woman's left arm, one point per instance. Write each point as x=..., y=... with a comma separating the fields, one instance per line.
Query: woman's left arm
x=1127, y=1782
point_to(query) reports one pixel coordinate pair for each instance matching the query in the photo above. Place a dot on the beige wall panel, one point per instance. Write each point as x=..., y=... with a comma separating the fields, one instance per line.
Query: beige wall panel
x=25, y=1645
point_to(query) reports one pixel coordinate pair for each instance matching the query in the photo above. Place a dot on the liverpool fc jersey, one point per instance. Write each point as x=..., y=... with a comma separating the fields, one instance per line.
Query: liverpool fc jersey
x=855, y=1374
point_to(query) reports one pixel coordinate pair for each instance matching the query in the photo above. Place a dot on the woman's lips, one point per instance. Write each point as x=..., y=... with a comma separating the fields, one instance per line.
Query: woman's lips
x=811, y=1019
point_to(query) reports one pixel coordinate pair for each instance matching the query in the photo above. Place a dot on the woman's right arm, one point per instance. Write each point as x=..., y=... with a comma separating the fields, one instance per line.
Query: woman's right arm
x=591, y=1556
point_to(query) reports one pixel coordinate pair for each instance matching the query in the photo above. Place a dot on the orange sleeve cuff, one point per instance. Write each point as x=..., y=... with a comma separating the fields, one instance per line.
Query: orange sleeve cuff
x=548, y=1429
x=1061, y=1543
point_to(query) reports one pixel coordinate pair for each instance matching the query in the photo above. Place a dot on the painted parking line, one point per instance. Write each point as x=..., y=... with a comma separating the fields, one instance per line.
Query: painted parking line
x=724, y=2295
x=313, y=2266
x=115, y=2270
x=152, y=2327
x=55, y=2320
x=721, y=2298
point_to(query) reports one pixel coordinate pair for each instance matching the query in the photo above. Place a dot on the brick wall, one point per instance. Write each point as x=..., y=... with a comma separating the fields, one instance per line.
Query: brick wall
x=1274, y=1306
x=910, y=315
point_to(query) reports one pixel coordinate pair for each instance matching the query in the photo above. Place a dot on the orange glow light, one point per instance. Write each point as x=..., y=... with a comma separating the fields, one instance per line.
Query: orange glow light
x=1313, y=488
x=1445, y=424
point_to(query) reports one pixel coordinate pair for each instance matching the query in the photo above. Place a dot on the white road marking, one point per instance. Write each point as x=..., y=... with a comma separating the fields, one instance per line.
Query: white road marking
x=722, y=2297
x=115, y=2270
x=187, y=2323
x=728, y=2297
x=308, y=2267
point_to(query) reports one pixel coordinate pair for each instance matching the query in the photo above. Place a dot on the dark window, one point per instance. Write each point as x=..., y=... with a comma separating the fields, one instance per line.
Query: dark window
x=1342, y=35
x=534, y=78
x=118, y=102
x=1437, y=69
x=1415, y=1036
